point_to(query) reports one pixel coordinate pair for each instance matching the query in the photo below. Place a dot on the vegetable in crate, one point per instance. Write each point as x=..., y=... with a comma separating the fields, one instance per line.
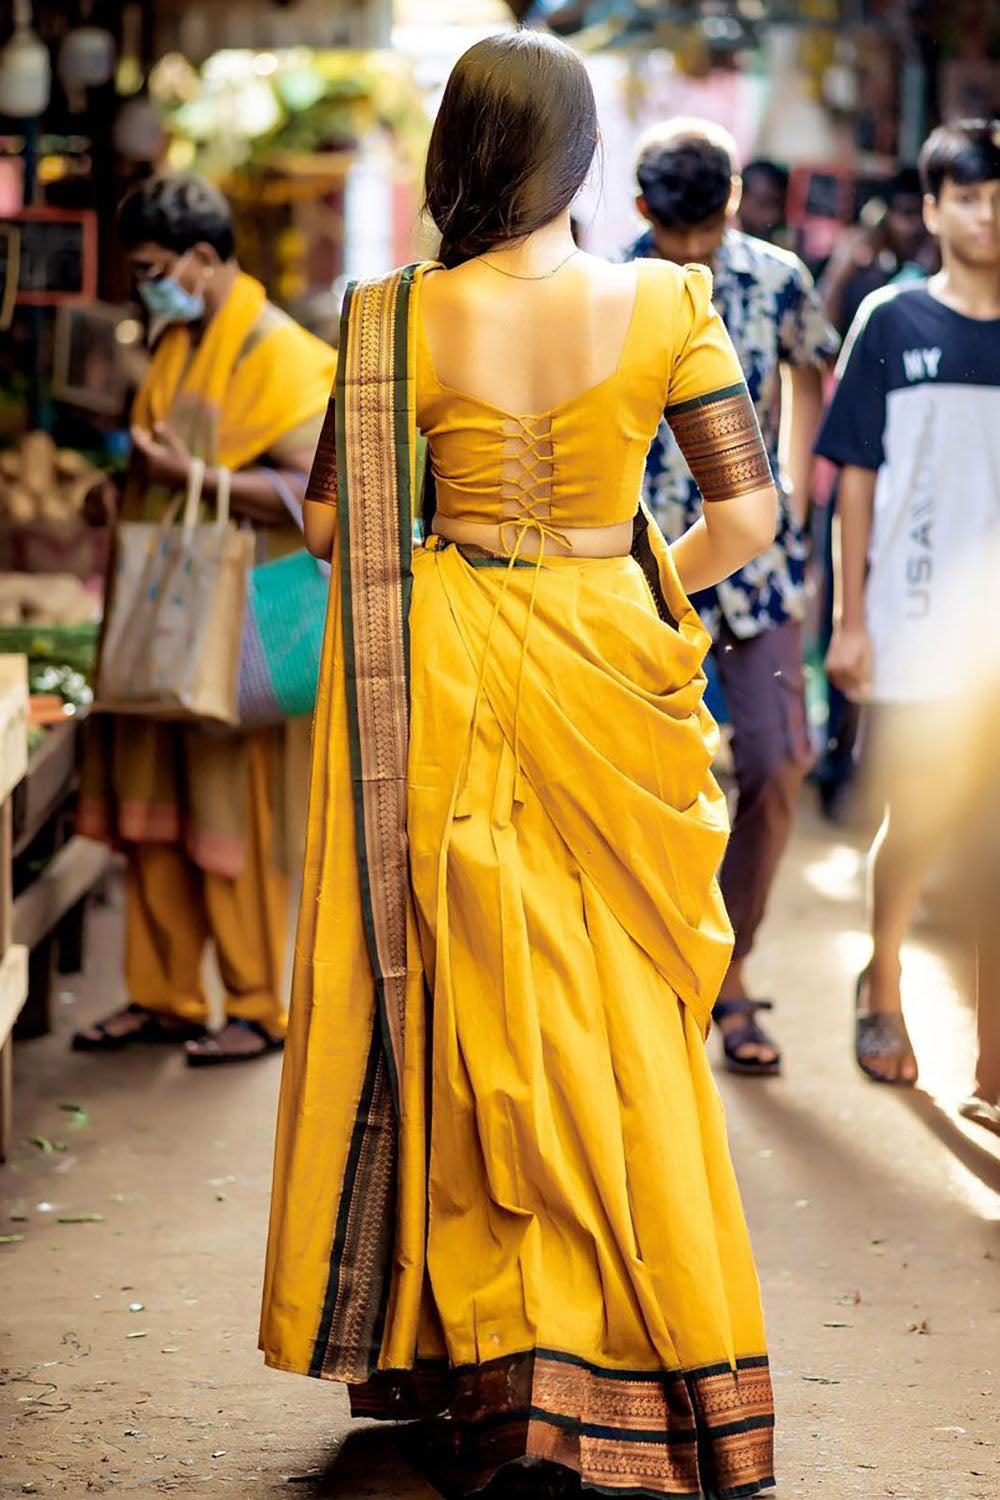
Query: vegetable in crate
x=39, y=482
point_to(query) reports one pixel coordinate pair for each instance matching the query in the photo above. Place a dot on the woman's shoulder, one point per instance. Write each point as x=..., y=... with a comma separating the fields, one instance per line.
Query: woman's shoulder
x=676, y=283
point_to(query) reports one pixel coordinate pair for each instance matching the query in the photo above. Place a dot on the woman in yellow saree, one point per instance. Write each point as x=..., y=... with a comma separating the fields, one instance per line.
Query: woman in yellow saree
x=503, y=1200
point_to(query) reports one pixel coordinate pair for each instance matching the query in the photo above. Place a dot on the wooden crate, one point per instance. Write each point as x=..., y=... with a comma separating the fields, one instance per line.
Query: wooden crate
x=13, y=723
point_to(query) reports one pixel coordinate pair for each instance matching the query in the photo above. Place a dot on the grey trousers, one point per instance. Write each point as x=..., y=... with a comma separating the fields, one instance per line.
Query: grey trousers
x=763, y=680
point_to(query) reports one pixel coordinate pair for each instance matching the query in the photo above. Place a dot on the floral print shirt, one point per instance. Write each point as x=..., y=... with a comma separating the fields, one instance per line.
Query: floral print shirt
x=768, y=302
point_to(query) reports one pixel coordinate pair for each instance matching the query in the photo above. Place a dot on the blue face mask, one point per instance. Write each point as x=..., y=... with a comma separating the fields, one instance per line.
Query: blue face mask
x=168, y=301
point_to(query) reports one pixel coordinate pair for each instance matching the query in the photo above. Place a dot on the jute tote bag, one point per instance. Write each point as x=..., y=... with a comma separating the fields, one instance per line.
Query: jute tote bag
x=171, y=647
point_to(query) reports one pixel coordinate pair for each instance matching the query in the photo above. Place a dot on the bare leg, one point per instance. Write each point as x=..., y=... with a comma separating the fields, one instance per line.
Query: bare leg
x=913, y=831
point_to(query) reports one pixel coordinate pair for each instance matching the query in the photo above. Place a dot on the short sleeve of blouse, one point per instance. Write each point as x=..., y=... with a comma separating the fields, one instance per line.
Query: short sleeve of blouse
x=708, y=405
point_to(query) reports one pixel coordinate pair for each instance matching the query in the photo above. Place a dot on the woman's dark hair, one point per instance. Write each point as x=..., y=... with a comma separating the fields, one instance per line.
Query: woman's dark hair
x=177, y=212
x=512, y=143
x=964, y=151
x=685, y=180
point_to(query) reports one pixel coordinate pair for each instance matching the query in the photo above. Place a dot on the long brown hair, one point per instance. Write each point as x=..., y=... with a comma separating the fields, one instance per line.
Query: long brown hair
x=513, y=141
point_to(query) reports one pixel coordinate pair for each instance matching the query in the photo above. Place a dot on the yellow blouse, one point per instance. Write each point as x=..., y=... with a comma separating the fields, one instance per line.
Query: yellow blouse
x=581, y=462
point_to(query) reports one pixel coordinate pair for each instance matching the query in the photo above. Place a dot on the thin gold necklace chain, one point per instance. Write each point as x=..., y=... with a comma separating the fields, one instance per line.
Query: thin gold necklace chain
x=516, y=276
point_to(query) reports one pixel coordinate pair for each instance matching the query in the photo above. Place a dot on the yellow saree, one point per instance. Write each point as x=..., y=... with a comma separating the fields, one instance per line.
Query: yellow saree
x=230, y=399
x=503, y=1195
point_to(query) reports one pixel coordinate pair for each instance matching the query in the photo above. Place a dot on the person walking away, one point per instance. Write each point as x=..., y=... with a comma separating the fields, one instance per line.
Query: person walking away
x=915, y=428
x=503, y=1200
x=203, y=816
x=689, y=193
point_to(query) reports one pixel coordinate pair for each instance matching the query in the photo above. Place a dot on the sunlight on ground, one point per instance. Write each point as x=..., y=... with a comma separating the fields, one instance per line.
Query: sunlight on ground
x=837, y=874
x=941, y=1020
x=854, y=947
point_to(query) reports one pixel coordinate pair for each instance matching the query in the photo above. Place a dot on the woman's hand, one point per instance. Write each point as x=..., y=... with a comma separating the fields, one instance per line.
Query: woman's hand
x=168, y=459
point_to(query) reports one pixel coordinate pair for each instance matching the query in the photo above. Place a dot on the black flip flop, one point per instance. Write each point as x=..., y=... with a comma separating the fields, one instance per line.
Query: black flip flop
x=220, y=1058
x=880, y=1033
x=152, y=1032
x=747, y=1035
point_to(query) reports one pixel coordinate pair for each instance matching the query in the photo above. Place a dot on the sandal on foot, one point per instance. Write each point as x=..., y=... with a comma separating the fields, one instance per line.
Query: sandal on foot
x=151, y=1029
x=747, y=1035
x=981, y=1112
x=208, y=1050
x=881, y=1034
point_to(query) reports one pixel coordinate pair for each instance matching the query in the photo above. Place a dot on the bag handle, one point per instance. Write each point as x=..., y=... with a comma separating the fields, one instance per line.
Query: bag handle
x=223, y=491
x=195, y=485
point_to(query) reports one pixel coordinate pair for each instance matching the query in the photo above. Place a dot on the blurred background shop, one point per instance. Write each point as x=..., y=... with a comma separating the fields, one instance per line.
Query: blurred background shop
x=312, y=116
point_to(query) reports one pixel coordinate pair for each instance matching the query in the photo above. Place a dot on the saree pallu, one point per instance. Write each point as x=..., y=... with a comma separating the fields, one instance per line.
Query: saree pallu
x=503, y=1197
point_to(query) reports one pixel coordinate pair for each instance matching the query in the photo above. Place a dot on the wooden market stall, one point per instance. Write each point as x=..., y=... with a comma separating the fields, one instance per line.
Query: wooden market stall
x=13, y=956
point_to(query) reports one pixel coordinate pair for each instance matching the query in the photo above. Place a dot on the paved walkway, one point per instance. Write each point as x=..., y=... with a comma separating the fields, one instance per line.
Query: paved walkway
x=127, y=1345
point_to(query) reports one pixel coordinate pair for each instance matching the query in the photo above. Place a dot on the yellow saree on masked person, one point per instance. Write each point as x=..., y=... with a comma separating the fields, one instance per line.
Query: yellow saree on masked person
x=252, y=391
x=502, y=1196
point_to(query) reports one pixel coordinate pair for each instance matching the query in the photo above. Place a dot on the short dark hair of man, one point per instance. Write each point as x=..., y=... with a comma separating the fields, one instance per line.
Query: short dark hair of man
x=771, y=172
x=685, y=179
x=965, y=152
x=178, y=212
x=903, y=184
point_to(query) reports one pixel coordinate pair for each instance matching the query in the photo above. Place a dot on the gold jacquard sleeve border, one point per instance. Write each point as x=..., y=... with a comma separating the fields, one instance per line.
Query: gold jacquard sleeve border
x=322, y=486
x=719, y=436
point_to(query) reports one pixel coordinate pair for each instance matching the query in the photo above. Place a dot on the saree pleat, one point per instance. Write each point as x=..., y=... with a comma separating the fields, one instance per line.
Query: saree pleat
x=528, y=1225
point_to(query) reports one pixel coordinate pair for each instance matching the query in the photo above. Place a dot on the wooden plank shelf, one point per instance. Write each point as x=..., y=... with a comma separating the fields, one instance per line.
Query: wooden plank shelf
x=13, y=957
x=51, y=776
x=51, y=870
x=60, y=887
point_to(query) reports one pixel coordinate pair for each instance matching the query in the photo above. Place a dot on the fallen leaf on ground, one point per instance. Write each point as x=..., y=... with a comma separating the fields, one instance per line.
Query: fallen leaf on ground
x=80, y=1219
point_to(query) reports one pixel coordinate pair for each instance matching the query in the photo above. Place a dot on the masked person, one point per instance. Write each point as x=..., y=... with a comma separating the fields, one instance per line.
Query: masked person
x=689, y=194
x=915, y=428
x=205, y=818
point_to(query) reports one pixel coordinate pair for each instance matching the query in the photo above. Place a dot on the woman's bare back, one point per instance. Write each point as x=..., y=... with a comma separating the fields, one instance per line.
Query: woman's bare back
x=528, y=346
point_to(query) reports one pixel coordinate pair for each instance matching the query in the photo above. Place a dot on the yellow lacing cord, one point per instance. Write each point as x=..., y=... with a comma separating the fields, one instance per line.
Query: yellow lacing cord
x=522, y=525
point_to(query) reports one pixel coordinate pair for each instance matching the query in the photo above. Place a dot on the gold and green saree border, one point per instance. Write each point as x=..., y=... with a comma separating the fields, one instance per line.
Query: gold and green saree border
x=375, y=427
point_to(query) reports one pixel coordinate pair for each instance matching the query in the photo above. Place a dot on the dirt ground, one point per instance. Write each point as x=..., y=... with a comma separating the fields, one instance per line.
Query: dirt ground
x=128, y=1357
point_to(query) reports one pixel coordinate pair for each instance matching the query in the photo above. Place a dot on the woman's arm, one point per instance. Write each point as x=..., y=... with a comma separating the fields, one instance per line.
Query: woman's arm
x=320, y=518
x=727, y=535
x=720, y=439
x=253, y=493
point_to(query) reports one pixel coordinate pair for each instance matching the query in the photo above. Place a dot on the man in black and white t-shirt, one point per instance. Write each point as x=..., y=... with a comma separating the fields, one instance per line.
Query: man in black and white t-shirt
x=915, y=426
